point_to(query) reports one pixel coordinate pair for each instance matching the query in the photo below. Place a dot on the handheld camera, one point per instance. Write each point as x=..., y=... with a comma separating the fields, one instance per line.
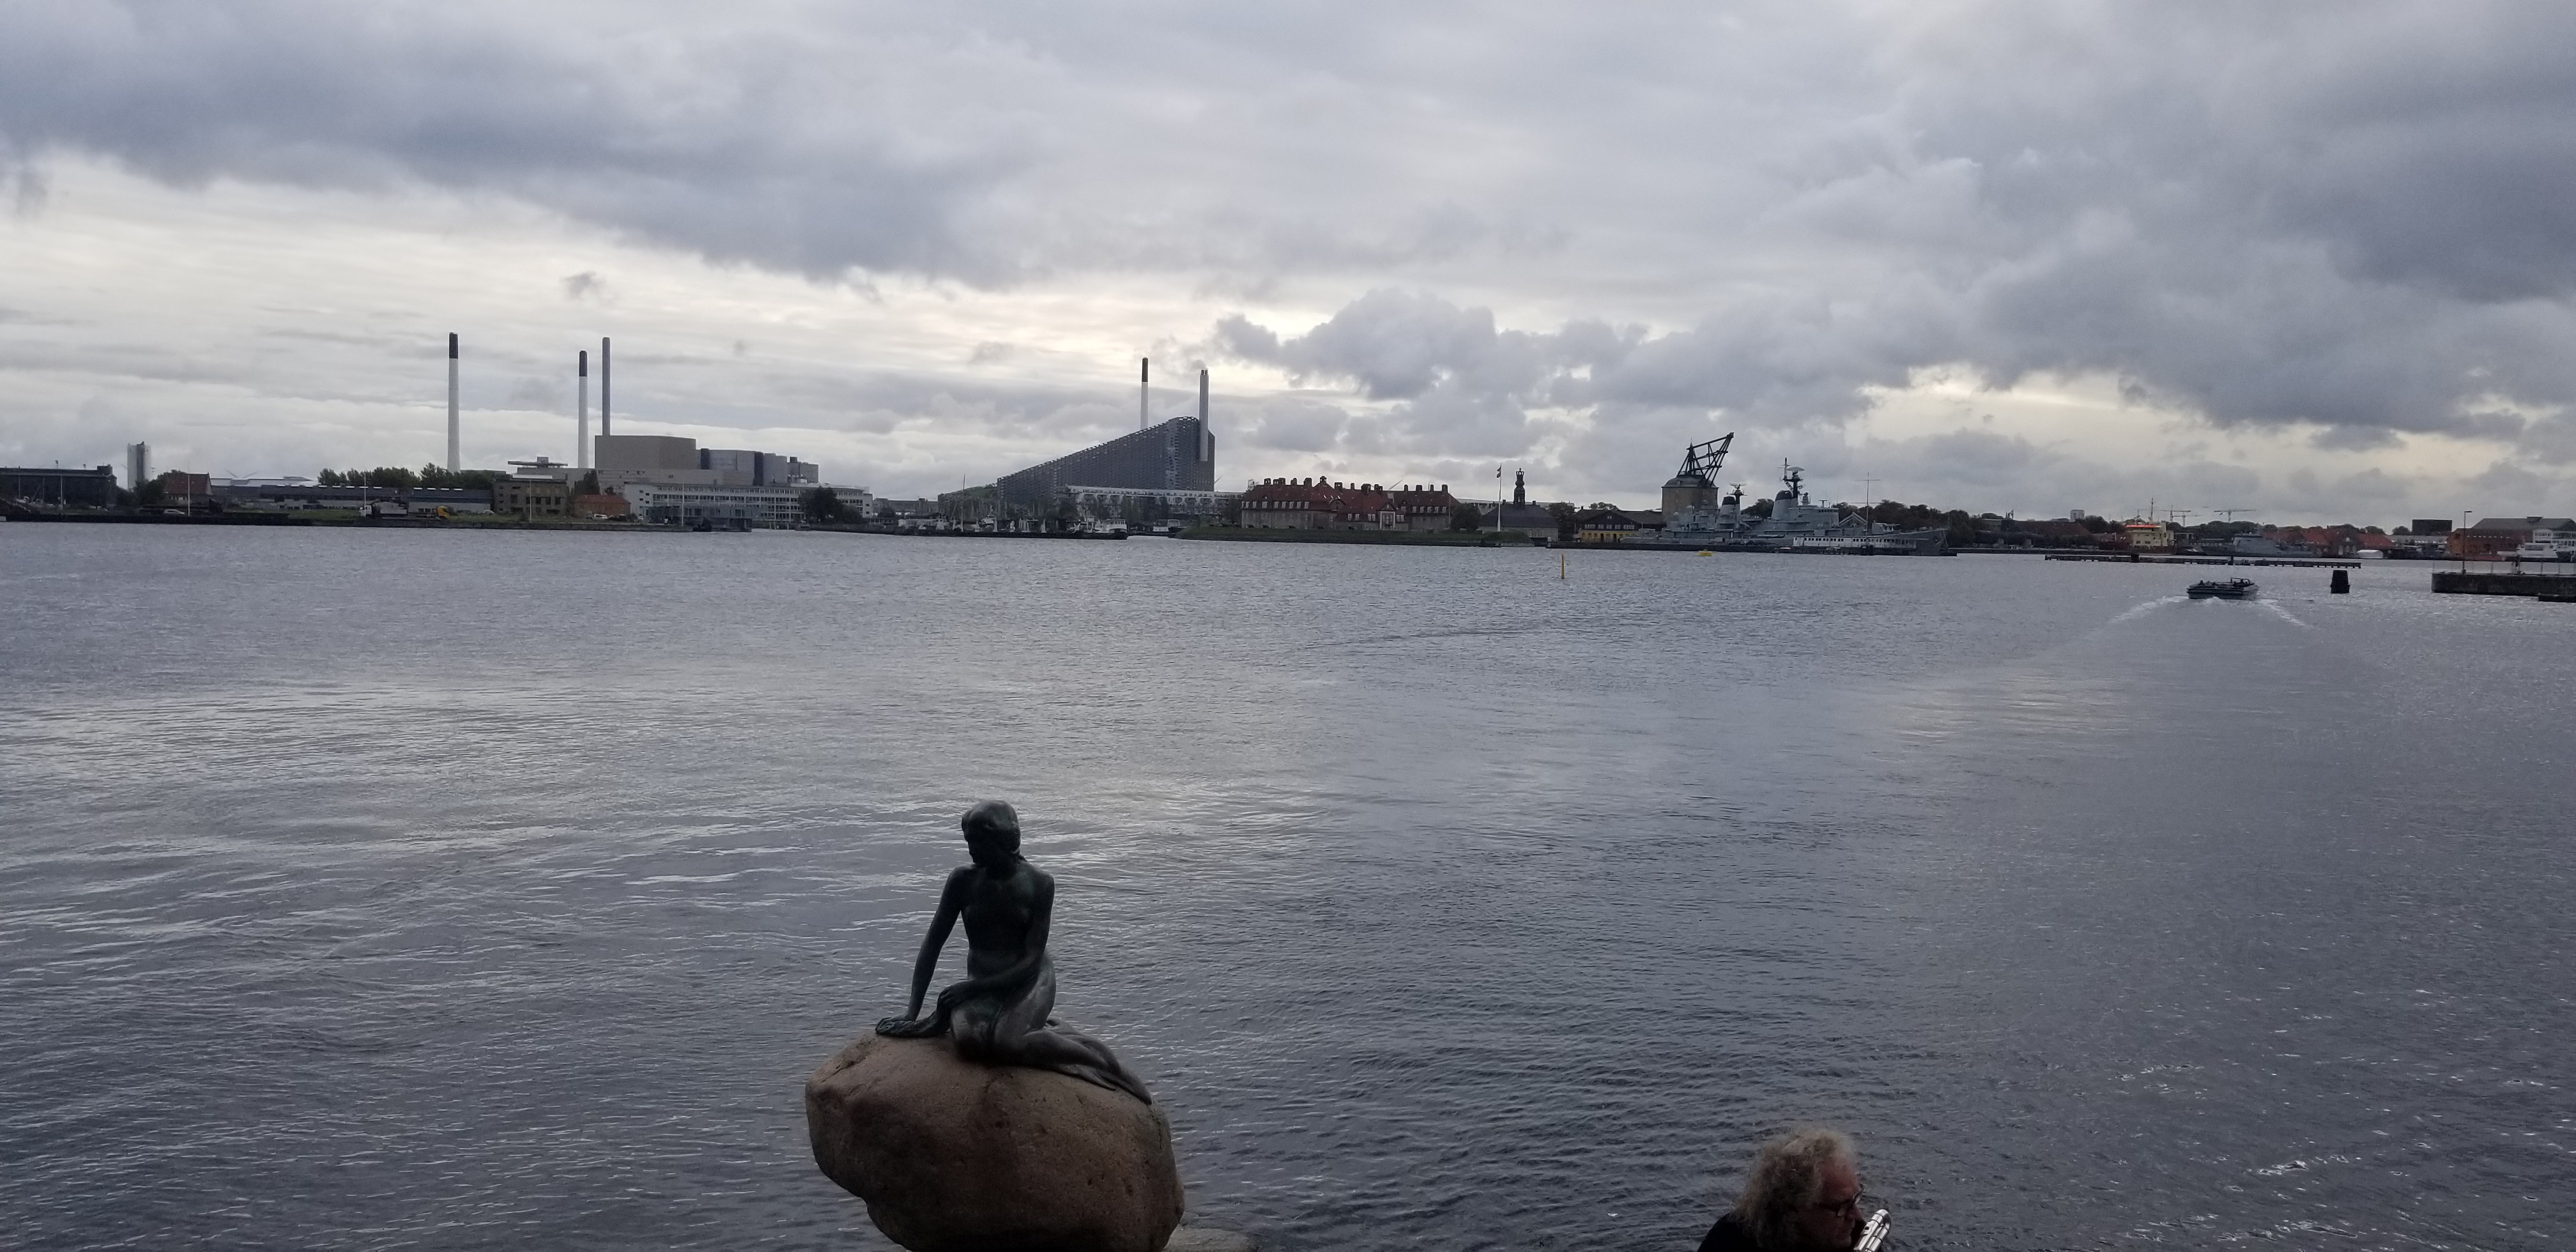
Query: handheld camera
x=1873, y=1234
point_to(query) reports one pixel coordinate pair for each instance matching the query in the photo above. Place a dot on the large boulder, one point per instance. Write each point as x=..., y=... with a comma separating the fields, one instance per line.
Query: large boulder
x=953, y=1156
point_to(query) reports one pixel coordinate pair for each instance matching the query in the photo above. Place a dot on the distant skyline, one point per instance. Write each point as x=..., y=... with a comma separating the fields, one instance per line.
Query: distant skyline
x=2311, y=260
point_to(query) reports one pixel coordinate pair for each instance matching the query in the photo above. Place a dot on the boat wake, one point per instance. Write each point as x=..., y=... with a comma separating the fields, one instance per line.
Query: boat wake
x=2133, y=614
x=2284, y=614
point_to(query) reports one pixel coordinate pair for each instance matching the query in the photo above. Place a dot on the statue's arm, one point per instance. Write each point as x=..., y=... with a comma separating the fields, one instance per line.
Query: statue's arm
x=951, y=899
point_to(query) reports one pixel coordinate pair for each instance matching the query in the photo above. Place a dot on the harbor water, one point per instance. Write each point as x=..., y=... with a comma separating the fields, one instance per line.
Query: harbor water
x=416, y=889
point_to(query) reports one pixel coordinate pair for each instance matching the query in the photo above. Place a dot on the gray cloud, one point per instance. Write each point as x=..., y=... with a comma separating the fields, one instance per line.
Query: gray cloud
x=2358, y=215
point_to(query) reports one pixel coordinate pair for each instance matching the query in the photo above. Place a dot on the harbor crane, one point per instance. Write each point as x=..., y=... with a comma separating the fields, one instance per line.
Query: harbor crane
x=1706, y=459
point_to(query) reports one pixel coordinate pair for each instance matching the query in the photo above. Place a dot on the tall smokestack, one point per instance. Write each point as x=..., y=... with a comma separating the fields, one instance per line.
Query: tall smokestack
x=604, y=431
x=1144, y=388
x=581, y=417
x=1202, y=399
x=453, y=463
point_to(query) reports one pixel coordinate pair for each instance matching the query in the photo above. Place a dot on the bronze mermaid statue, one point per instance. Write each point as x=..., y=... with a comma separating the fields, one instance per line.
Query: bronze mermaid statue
x=1002, y=1013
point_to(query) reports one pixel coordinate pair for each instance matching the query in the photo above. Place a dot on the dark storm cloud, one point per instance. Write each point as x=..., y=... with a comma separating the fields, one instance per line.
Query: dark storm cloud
x=734, y=143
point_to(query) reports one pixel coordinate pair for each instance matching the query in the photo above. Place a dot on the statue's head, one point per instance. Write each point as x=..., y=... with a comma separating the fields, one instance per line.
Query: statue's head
x=992, y=833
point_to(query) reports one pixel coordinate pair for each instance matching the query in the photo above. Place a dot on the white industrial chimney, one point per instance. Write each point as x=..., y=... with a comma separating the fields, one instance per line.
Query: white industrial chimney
x=604, y=431
x=453, y=464
x=1203, y=397
x=581, y=416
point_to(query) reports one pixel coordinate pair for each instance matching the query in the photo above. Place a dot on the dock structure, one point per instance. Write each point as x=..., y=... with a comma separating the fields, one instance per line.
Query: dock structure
x=2468, y=583
x=2149, y=558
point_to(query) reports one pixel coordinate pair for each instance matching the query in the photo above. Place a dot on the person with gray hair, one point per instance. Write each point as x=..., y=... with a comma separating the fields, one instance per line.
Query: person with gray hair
x=1802, y=1194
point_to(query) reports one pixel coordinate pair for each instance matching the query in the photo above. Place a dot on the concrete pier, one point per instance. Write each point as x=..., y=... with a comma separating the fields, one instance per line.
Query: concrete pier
x=2456, y=582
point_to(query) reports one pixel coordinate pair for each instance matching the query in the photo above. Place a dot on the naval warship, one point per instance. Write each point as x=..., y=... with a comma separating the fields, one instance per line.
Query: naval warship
x=1697, y=515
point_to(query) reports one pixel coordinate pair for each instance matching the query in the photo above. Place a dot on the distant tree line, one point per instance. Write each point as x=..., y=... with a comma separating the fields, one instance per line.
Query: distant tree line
x=396, y=478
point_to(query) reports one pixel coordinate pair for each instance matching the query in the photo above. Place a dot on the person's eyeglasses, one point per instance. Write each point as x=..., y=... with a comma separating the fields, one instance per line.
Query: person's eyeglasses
x=1847, y=1208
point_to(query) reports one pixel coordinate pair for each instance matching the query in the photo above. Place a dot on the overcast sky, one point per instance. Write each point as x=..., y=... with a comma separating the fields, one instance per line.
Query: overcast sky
x=2314, y=260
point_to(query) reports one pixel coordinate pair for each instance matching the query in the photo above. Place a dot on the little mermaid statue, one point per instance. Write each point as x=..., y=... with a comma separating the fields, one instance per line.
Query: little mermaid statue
x=1001, y=1014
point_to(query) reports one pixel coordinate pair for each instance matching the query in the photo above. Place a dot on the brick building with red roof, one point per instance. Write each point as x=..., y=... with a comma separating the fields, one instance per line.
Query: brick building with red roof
x=1319, y=504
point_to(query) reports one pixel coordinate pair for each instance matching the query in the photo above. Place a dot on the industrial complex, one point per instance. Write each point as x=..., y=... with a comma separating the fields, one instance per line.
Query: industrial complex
x=1160, y=474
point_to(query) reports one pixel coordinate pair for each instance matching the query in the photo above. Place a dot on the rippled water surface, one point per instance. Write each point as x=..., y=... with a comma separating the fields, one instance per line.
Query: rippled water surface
x=412, y=889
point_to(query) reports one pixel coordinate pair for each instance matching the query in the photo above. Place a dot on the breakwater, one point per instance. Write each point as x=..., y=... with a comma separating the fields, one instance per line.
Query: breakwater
x=2141, y=558
x=2466, y=583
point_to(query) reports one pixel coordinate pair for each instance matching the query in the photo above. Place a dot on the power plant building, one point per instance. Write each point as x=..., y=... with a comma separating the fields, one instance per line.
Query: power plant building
x=670, y=479
x=624, y=460
x=1177, y=456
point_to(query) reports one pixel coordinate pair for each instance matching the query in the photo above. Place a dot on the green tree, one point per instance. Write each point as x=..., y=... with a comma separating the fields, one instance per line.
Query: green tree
x=1963, y=529
x=821, y=504
x=1466, y=517
x=1565, y=515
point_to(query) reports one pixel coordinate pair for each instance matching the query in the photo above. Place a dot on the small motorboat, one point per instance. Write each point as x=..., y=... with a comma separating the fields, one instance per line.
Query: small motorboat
x=2231, y=589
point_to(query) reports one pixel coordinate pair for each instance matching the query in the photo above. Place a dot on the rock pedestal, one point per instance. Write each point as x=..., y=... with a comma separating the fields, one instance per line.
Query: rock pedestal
x=953, y=1156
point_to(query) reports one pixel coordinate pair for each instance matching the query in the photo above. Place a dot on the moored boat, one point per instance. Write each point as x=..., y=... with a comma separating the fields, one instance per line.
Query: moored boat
x=2226, y=589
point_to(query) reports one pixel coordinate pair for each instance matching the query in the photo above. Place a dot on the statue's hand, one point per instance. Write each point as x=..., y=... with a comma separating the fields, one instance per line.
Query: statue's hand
x=908, y=1027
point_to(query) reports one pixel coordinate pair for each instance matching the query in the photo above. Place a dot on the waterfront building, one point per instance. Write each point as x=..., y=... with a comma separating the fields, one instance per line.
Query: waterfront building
x=674, y=459
x=1319, y=504
x=2286, y=544
x=623, y=459
x=742, y=467
x=909, y=514
x=2554, y=539
x=2423, y=537
x=2145, y=536
x=1608, y=524
x=1535, y=520
x=1520, y=515
x=731, y=507
x=183, y=490
x=59, y=488
x=2496, y=537
x=530, y=496
x=1150, y=504
x=543, y=467
x=296, y=493
x=1178, y=455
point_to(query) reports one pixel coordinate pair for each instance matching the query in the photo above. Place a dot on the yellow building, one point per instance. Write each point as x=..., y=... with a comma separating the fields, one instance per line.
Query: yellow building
x=2148, y=536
